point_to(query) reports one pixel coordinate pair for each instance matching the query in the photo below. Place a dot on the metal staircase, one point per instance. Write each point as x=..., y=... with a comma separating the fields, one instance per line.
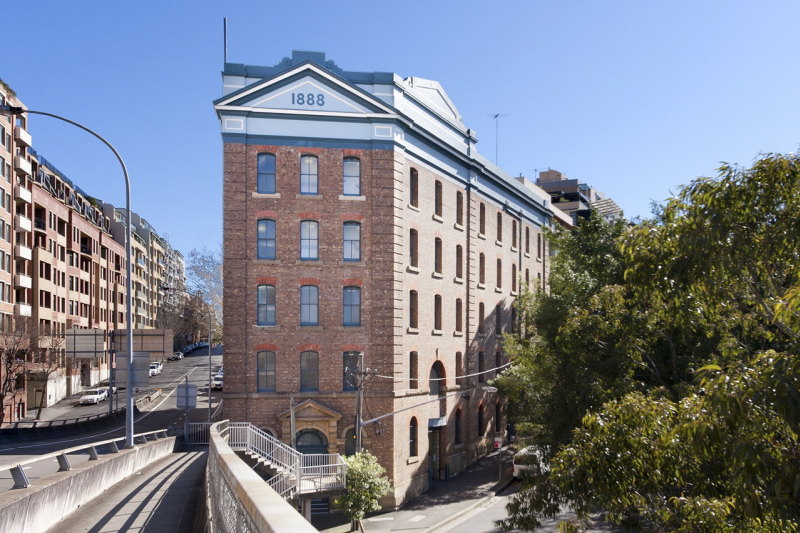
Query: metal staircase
x=295, y=473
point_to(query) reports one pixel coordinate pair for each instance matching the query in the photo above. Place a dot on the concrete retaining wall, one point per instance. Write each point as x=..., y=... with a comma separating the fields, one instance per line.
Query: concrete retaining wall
x=239, y=500
x=51, y=499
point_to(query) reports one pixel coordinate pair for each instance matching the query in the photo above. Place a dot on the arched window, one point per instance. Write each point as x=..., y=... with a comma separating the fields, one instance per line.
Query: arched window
x=351, y=306
x=309, y=175
x=265, y=305
x=436, y=382
x=482, y=219
x=539, y=245
x=309, y=305
x=311, y=441
x=437, y=198
x=437, y=255
x=459, y=261
x=265, y=237
x=527, y=240
x=459, y=208
x=437, y=312
x=459, y=316
x=265, y=371
x=309, y=240
x=309, y=371
x=500, y=227
x=499, y=273
x=412, y=438
x=265, y=182
x=413, y=367
x=514, y=278
x=481, y=269
x=412, y=309
x=351, y=176
x=351, y=245
x=514, y=234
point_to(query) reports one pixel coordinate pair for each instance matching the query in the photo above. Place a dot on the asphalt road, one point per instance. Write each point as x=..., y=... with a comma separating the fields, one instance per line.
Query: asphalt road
x=160, y=414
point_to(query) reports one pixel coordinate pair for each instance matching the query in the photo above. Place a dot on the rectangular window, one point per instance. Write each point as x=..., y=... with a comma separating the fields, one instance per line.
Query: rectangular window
x=265, y=362
x=309, y=305
x=349, y=369
x=459, y=261
x=413, y=250
x=459, y=315
x=266, y=174
x=351, y=178
x=309, y=371
x=481, y=317
x=351, y=311
x=514, y=278
x=437, y=312
x=266, y=239
x=481, y=269
x=482, y=219
x=498, y=320
x=412, y=309
x=437, y=255
x=413, y=378
x=481, y=367
x=309, y=240
x=460, y=208
x=352, y=241
x=309, y=175
x=437, y=198
x=500, y=227
x=414, y=188
x=499, y=273
x=527, y=240
x=513, y=233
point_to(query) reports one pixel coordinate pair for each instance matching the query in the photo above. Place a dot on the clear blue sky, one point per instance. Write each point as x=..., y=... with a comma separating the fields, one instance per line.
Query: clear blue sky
x=633, y=97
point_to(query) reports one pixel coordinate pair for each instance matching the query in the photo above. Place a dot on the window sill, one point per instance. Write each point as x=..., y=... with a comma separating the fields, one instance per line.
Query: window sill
x=412, y=269
x=266, y=195
x=412, y=460
x=458, y=280
x=348, y=262
x=311, y=327
x=498, y=290
x=458, y=334
x=498, y=242
x=267, y=261
x=538, y=259
x=354, y=327
x=514, y=248
x=307, y=261
x=481, y=286
x=412, y=331
x=481, y=236
x=458, y=226
x=437, y=218
x=527, y=254
x=413, y=208
x=352, y=197
x=514, y=293
x=273, y=327
x=308, y=196
x=436, y=332
x=437, y=275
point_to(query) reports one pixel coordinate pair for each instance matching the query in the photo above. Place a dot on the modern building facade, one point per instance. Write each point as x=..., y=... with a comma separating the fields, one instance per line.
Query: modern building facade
x=62, y=266
x=360, y=221
x=575, y=198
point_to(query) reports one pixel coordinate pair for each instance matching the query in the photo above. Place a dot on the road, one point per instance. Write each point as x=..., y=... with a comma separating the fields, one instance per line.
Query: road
x=161, y=413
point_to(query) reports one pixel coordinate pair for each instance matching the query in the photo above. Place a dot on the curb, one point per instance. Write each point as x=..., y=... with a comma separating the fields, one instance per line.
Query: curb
x=474, y=505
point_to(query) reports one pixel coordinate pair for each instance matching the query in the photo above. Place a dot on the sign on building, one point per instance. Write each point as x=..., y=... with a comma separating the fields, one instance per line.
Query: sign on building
x=85, y=343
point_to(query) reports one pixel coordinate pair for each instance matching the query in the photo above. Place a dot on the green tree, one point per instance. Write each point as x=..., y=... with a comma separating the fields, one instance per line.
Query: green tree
x=705, y=438
x=366, y=484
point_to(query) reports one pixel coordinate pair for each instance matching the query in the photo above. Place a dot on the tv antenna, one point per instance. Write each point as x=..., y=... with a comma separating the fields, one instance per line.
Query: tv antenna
x=496, y=118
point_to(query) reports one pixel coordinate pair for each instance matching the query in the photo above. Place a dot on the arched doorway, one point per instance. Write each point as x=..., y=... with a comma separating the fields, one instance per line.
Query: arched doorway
x=437, y=386
x=311, y=441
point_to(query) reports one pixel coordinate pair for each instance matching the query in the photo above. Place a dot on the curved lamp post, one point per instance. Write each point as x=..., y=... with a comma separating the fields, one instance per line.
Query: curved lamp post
x=14, y=110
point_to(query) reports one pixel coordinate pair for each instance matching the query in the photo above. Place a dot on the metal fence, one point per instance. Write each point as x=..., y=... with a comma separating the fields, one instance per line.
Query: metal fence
x=196, y=432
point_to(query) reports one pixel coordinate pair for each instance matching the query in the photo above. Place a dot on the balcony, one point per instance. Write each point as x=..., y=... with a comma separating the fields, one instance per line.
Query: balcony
x=86, y=250
x=23, y=281
x=22, y=136
x=22, y=309
x=23, y=252
x=23, y=165
x=39, y=224
x=23, y=223
x=22, y=194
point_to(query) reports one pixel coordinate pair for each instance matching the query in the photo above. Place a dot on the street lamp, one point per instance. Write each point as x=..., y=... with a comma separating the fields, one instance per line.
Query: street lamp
x=14, y=110
x=208, y=305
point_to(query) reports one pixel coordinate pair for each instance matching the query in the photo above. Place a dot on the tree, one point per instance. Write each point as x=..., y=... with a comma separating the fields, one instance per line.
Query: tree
x=204, y=269
x=13, y=366
x=709, y=441
x=366, y=484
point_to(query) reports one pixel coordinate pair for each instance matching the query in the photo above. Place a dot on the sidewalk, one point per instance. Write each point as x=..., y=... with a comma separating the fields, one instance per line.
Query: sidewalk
x=446, y=501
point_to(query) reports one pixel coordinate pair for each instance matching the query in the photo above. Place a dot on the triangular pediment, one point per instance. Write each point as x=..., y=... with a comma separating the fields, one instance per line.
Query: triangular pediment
x=311, y=410
x=305, y=88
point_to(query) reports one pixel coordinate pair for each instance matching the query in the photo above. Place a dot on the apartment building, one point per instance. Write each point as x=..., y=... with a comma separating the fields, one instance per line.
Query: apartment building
x=575, y=198
x=360, y=221
x=62, y=266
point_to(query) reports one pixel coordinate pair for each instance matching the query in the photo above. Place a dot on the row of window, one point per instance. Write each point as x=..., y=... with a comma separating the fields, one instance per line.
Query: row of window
x=266, y=308
x=266, y=371
x=413, y=314
x=266, y=180
x=481, y=428
x=267, y=241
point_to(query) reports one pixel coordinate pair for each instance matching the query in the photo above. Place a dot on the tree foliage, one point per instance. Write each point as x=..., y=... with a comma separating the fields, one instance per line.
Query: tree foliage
x=366, y=484
x=698, y=418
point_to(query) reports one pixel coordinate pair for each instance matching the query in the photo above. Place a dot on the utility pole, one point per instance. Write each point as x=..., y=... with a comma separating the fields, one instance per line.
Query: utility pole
x=292, y=424
x=360, y=377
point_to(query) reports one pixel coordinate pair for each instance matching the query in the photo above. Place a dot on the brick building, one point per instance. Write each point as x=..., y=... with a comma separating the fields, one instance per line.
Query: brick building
x=359, y=218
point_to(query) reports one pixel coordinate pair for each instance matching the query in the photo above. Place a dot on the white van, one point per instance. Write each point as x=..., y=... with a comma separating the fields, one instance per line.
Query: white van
x=530, y=458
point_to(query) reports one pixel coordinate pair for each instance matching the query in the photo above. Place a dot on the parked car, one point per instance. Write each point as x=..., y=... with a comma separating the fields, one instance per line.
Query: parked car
x=532, y=459
x=93, y=396
x=177, y=356
x=155, y=369
x=217, y=382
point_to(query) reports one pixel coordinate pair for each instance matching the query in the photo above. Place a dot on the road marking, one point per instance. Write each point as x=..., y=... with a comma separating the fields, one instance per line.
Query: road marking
x=417, y=518
x=380, y=519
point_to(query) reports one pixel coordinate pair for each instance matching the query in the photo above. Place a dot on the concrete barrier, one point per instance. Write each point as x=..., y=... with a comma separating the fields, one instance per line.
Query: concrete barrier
x=237, y=499
x=54, y=497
